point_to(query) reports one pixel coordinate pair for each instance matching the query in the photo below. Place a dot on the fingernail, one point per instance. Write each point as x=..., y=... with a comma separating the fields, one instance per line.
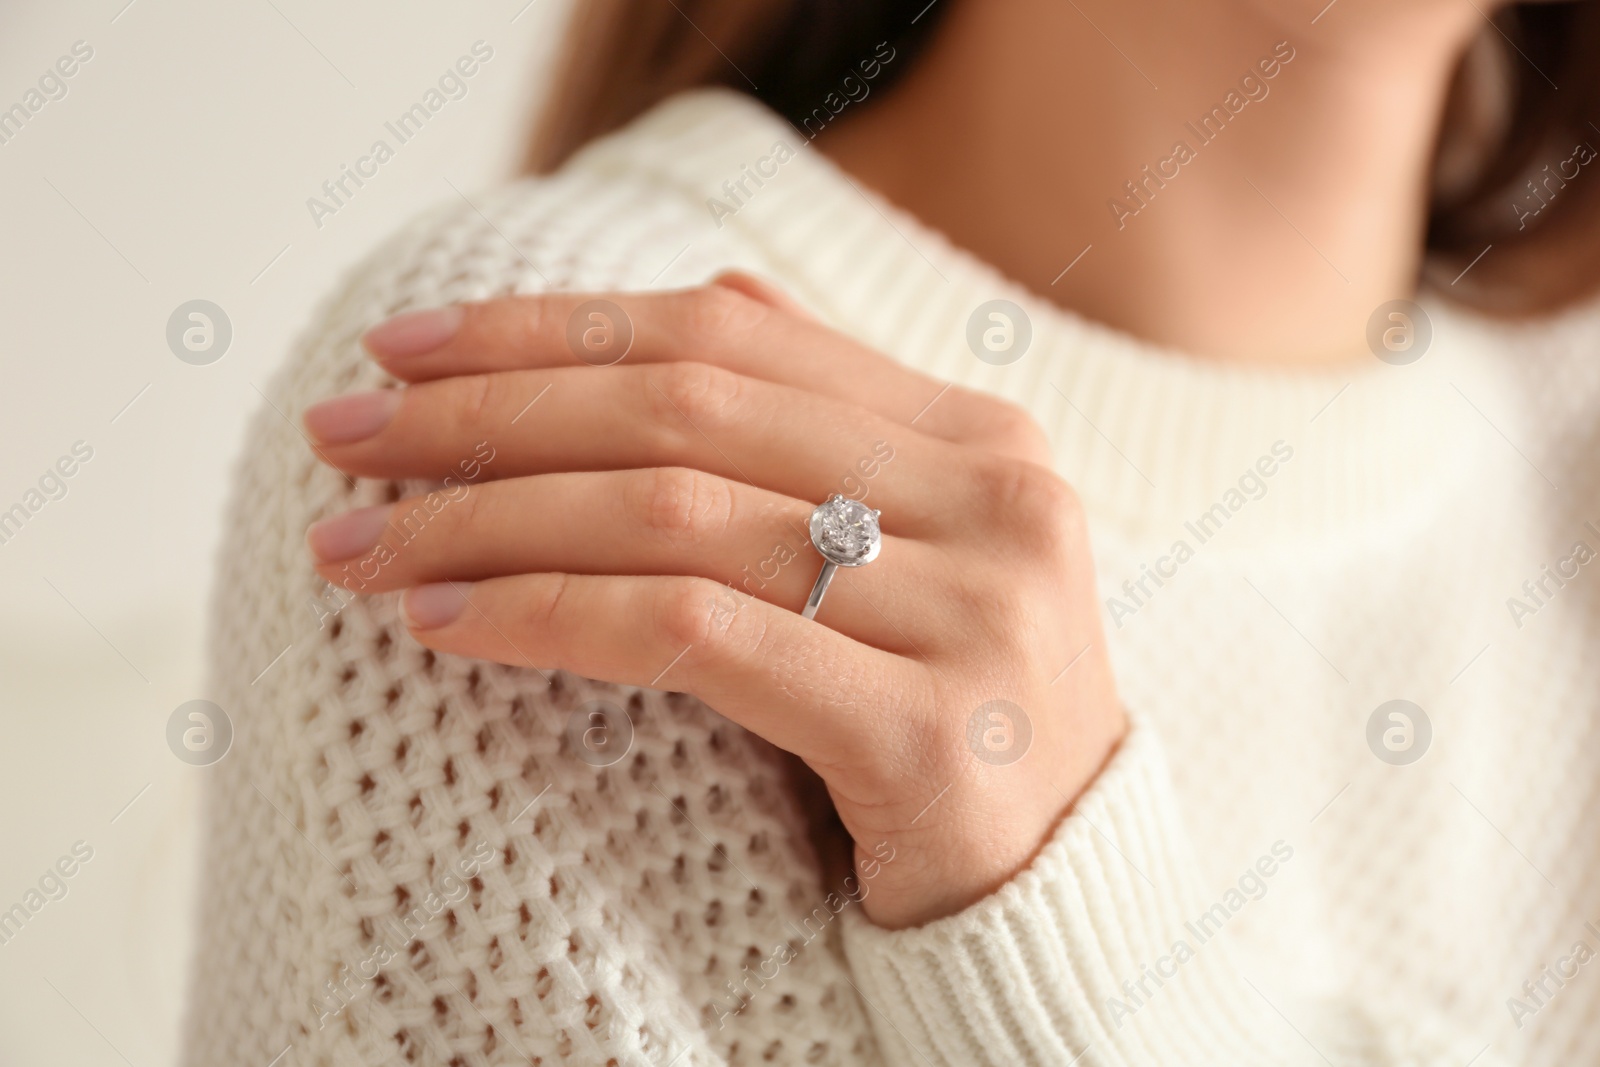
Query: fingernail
x=428, y=607
x=349, y=535
x=347, y=419
x=414, y=333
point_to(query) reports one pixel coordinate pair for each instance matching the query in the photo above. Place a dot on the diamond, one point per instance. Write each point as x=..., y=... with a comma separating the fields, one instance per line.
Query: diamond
x=846, y=531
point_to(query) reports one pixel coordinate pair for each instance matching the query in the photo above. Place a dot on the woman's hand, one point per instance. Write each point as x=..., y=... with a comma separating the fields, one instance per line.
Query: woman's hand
x=645, y=523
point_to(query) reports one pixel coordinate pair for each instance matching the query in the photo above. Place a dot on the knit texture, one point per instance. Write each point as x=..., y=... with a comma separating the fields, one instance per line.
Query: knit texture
x=407, y=861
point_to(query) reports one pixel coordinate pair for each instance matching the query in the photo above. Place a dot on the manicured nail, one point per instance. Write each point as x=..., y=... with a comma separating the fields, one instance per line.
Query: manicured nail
x=355, y=417
x=414, y=333
x=349, y=535
x=428, y=607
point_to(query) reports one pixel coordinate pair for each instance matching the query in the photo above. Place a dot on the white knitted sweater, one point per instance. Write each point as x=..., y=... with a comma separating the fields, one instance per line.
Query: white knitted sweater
x=406, y=862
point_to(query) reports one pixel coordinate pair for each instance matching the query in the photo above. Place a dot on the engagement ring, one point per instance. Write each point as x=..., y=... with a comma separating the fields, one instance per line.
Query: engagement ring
x=846, y=533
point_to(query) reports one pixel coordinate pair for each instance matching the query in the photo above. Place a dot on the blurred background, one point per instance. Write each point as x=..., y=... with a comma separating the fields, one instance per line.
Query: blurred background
x=173, y=165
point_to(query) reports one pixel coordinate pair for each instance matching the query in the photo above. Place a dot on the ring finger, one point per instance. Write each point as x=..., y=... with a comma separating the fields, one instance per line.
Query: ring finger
x=655, y=521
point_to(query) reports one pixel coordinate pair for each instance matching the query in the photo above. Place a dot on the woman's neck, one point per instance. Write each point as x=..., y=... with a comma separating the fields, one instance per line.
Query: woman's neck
x=1032, y=130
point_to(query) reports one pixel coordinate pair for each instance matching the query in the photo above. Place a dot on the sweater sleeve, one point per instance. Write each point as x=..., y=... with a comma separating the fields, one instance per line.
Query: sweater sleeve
x=1101, y=953
x=416, y=858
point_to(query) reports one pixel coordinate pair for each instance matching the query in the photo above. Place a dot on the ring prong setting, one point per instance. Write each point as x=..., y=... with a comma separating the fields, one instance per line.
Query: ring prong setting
x=846, y=532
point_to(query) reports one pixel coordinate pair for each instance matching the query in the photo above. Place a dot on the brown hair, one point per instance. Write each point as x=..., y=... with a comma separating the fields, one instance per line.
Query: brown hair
x=1505, y=166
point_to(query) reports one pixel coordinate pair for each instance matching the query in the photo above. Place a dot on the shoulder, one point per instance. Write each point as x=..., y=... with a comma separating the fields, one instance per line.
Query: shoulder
x=634, y=210
x=622, y=214
x=642, y=208
x=639, y=208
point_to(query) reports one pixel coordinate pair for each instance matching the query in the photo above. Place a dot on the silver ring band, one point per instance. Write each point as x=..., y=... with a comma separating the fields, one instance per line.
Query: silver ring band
x=814, y=601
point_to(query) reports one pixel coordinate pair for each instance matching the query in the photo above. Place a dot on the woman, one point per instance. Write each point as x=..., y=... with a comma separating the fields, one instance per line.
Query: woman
x=932, y=292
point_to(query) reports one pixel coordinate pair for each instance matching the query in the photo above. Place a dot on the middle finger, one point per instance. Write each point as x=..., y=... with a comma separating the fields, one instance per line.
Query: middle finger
x=680, y=414
x=661, y=521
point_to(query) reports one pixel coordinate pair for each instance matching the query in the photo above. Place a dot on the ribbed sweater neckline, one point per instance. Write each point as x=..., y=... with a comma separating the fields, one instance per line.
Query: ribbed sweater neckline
x=1152, y=438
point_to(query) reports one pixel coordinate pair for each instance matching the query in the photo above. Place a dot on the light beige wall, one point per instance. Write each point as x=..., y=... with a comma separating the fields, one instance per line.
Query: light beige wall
x=177, y=166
